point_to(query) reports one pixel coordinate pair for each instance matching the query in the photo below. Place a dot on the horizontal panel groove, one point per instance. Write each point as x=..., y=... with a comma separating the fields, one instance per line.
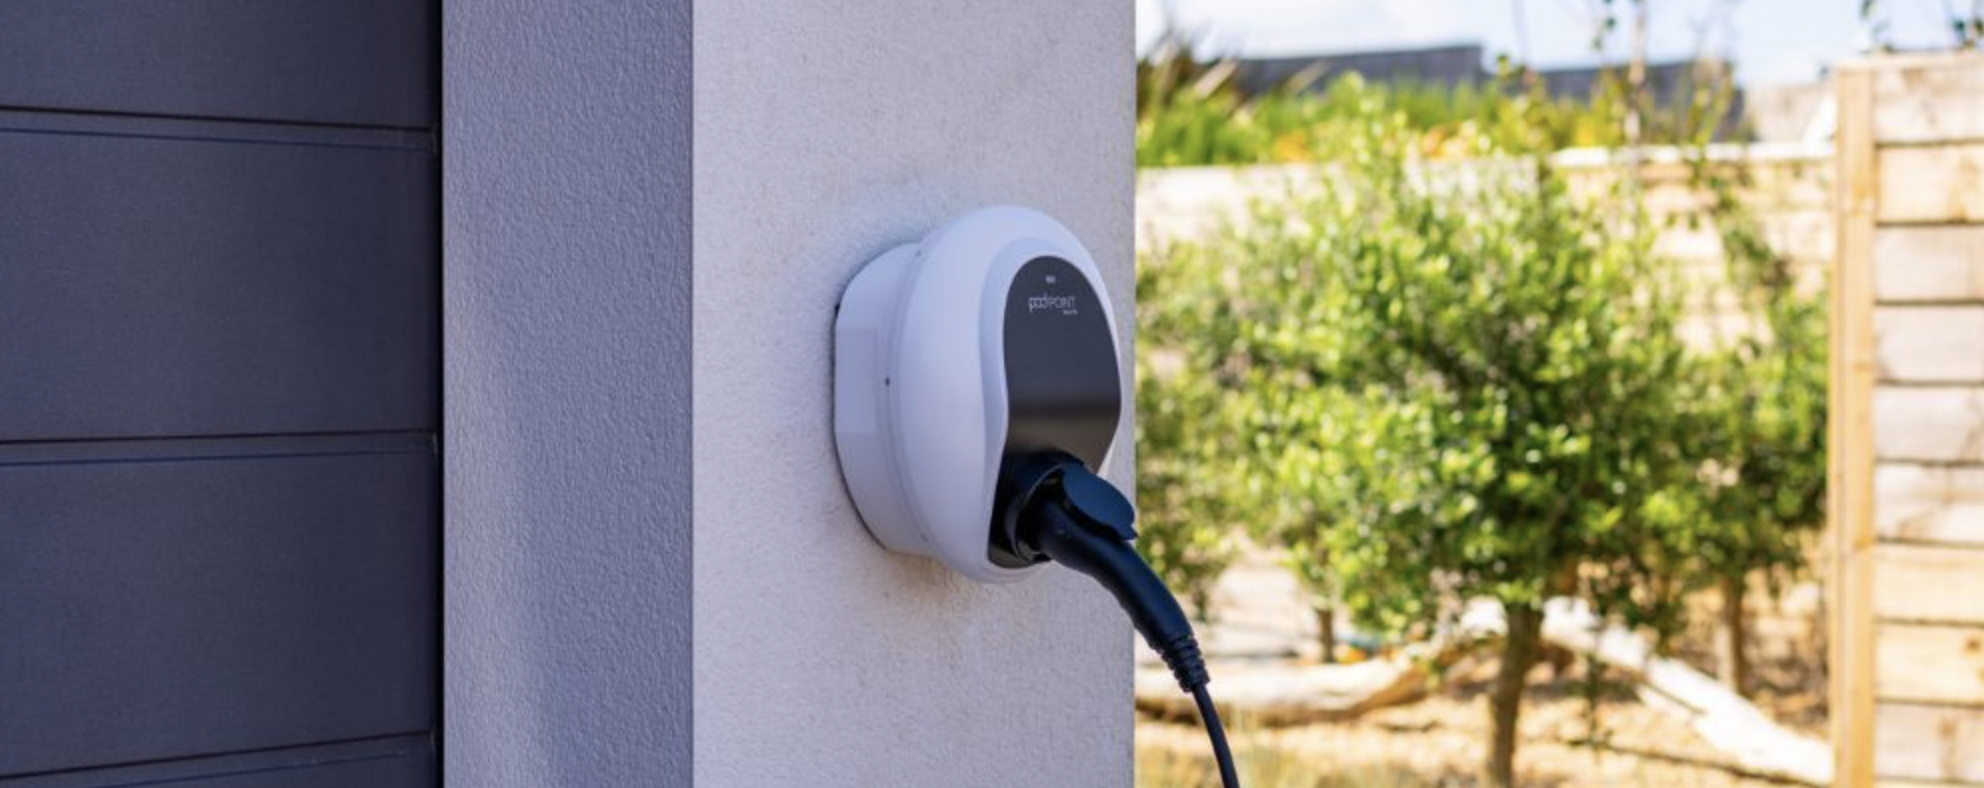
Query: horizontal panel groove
x=1928, y=302
x=1949, y=465
x=1899, y=782
x=220, y=447
x=1937, y=142
x=1957, y=707
x=1938, y=544
x=1933, y=621
x=1905, y=224
x=20, y=120
x=1932, y=385
x=231, y=764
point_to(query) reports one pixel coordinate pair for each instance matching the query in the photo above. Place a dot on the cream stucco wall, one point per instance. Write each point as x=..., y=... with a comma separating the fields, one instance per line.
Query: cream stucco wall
x=825, y=133
x=653, y=572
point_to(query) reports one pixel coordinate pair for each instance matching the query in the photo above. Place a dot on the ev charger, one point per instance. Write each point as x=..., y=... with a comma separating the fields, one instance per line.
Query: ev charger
x=990, y=339
x=977, y=392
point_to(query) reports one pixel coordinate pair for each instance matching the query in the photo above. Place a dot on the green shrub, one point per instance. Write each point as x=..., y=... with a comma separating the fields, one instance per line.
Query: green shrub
x=1467, y=386
x=1189, y=497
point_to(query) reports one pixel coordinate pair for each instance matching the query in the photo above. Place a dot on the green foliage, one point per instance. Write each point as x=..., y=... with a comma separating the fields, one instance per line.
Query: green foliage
x=1188, y=494
x=1762, y=397
x=1476, y=385
x=1210, y=122
x=1193, y=113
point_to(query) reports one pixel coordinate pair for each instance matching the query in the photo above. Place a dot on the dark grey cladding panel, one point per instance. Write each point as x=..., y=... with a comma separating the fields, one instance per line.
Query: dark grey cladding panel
x=171, y=284
x=162, y=599
x=361, y=62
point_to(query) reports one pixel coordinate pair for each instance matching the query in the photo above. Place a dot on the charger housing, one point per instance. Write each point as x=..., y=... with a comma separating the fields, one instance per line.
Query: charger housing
x=956, y=358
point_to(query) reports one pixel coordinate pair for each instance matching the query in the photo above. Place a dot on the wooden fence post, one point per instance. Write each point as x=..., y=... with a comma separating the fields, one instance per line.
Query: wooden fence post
x=1850, y=421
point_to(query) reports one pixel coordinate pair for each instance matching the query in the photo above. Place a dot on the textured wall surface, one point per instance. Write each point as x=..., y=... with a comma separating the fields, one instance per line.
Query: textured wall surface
x=566, y=221
x=825, y=133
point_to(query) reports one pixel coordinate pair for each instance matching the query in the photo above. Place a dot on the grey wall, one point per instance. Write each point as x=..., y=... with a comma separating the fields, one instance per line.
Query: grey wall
x=219, y=393
x=825, y=133
x=566, y=221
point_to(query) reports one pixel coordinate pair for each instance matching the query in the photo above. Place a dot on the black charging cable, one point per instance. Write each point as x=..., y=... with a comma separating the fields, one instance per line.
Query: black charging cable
x=1055, y=508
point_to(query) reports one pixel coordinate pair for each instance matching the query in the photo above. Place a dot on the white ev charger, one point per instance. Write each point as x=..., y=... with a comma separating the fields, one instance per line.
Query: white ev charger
x=989, y=337
x=977, y=392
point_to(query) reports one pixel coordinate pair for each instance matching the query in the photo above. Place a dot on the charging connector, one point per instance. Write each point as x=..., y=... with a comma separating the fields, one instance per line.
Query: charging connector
x=1060, y=510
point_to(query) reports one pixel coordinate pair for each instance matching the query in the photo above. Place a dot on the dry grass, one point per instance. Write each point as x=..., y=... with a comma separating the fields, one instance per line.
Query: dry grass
x=1438, y=743
x=1261, y=766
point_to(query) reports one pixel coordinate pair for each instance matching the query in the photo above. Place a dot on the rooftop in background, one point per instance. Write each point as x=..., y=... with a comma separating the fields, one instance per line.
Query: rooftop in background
x=1451, y=66
x=1446, y=66
x=1784, y=112
x=1669, y=82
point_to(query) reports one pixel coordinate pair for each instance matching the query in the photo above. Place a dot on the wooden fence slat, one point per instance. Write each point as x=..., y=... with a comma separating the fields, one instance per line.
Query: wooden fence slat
x=1929, y=263
x=1930, y=743
x=1930, y=102
x=1932, y=185
x=1930, y=344
x=1930, y=664
x=1921, y=503
x=1929, y=423
x=1928, y=584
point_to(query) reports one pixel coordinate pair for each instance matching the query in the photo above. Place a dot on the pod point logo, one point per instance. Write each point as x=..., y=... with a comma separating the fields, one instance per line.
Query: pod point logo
x=1049, y=302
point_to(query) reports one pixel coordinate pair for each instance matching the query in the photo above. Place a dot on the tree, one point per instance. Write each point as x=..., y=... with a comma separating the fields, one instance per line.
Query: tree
x=1479, y=386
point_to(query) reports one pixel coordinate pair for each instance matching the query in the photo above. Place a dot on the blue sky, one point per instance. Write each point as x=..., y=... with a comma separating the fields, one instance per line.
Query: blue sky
x=1772, y=41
